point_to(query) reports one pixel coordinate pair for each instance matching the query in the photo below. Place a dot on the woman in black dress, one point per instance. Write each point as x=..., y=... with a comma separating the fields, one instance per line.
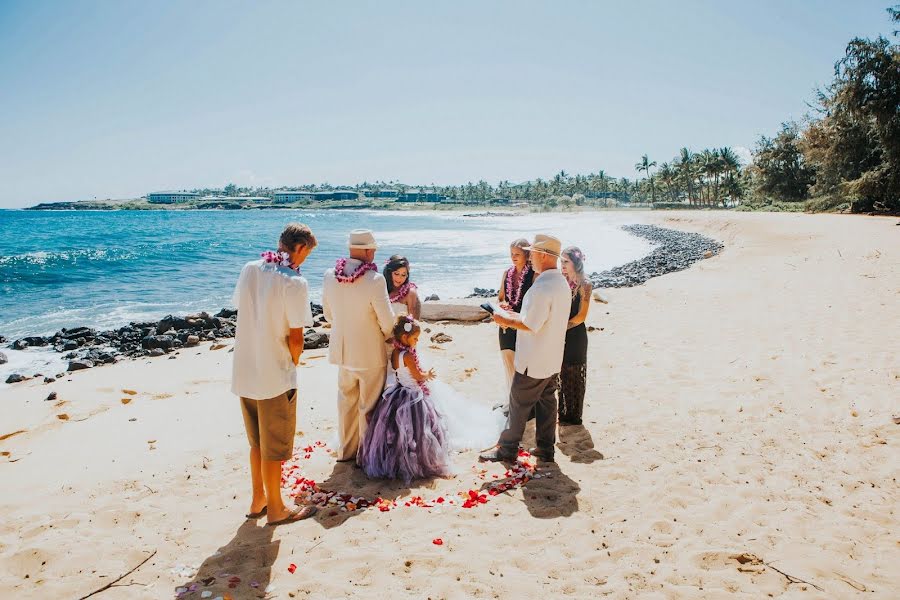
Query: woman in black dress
x=572, y=377
x=516, y=281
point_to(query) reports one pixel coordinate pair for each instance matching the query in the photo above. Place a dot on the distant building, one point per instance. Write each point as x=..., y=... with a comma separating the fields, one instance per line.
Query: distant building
x=171, y=197
x=320, y=196
x=255, y=199
x=293, y=196
x=417, y=195
x=385, y=193
x=345, y=195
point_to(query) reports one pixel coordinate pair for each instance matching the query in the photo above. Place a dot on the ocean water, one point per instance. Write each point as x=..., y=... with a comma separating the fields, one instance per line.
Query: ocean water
x=105, y=269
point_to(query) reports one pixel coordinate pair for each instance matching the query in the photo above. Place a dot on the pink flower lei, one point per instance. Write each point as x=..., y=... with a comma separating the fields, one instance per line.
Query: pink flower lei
x=415, y=355
x=513, y=287
x=282, y=259
x=359, y=272
x=401, y=292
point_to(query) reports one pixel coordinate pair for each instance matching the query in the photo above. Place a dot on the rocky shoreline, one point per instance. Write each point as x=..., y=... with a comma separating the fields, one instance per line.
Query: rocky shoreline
x=86, y=348
x=677, y=251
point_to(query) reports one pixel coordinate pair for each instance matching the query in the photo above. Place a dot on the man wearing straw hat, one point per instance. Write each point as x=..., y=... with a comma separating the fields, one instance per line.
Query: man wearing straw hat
x=539, y=353
x=355, y=302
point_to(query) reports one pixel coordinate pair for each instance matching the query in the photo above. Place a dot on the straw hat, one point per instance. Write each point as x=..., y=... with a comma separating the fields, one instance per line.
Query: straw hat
x=362, y=239
x=546, y=244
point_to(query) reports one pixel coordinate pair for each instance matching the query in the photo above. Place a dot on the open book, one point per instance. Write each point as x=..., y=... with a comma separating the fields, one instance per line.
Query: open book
x=494, y=309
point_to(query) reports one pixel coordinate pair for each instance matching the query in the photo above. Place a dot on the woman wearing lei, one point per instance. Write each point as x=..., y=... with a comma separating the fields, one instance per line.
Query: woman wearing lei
x=402, y=292
x=516, y=281
x=572, y=377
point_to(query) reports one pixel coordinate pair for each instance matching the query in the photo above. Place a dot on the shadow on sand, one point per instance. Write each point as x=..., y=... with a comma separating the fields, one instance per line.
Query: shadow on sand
x=575, y=441
x=251, y=552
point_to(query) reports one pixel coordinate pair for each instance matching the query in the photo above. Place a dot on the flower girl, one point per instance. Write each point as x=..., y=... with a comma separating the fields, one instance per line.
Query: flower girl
x=418, y=421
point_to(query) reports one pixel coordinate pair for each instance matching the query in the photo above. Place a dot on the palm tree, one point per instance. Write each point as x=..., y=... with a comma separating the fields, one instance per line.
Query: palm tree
x=683, y=169
x=707, y=162
x=645, y=165
x=669, y=178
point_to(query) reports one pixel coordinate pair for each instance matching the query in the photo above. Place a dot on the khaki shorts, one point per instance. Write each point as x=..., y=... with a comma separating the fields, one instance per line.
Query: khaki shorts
x=271, y=424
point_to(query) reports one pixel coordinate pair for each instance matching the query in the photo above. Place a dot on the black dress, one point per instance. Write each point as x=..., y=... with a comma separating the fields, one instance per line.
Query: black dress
x=508, y=335
x=572, y=377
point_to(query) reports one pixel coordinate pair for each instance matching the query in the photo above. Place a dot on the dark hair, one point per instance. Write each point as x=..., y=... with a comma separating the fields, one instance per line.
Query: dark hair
x=297, y=233
x=576, y=256
x=400, y=327
x=394, y=263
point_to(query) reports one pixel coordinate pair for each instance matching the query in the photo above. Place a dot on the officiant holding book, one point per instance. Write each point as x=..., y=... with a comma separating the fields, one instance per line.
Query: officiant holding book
x=541, y=333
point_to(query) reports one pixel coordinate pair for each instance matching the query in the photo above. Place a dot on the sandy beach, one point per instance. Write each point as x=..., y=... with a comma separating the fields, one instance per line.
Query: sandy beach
x=738, y=442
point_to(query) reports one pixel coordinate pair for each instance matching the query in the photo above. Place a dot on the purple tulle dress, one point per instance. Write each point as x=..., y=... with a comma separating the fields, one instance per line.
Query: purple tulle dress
x=406, y=438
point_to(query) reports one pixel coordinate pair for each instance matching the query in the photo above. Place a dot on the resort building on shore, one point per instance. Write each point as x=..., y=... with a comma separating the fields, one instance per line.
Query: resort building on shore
x=171, y=197
x=345, y=195
x=383, y=193
x=254, y=199
x=292, y=196
x=417, y=195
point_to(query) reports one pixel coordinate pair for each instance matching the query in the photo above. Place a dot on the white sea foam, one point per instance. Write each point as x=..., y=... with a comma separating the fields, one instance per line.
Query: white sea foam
x=32, y=361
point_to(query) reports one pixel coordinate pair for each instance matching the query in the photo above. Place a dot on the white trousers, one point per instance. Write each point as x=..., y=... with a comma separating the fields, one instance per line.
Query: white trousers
x=358, y=393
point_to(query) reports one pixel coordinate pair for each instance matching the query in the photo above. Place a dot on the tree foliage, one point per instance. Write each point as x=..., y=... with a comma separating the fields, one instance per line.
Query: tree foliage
x=850, y=150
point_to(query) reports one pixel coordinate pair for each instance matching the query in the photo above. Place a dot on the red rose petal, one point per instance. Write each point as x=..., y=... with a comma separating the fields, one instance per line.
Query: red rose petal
x=291, y=568
x=437, y=542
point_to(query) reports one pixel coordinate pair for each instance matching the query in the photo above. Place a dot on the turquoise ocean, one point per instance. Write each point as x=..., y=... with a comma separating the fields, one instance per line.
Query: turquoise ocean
x=104, y=269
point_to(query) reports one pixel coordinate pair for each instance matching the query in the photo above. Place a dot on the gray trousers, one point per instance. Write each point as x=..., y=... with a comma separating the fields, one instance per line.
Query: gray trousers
x=527, y=393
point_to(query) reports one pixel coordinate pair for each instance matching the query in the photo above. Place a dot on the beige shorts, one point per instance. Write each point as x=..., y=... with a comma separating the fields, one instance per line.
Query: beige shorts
x=271, y=424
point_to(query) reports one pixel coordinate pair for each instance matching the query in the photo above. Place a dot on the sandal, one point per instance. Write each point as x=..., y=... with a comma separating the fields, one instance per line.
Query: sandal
x=258, y=514
x=298, y=514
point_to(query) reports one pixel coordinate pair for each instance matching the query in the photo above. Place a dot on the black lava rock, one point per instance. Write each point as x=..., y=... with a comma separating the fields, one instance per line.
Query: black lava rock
x=677, y=250
x=50, y=397
x=15, y=378
x=171, y=322
x=80, y=364
x=3, y=359
x=313, y=340
x=77, y=332
x=163, y=342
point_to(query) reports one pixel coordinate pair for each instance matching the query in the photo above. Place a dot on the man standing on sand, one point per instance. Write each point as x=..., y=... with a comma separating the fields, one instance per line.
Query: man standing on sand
x=355, y=302
x=272, y=299
x=540, y=342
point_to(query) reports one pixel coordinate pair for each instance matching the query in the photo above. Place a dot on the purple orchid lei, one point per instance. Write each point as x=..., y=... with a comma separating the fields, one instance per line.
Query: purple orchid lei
x=401, y=292
x=513, y=286
x=279, y=258
x=359, y=272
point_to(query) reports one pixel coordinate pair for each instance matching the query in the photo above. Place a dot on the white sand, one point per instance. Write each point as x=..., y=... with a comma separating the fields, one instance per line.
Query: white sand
x=743, y=406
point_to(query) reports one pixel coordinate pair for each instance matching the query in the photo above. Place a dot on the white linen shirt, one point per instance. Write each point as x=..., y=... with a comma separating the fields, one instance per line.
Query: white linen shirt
x=271, y=300
x=545, y=310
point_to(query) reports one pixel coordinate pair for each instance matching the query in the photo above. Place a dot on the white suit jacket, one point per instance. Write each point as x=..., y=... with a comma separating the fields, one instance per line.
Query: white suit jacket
x=360, y=316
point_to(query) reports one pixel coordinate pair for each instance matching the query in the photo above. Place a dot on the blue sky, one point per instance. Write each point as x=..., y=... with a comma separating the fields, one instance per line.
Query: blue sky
x=116, y=99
